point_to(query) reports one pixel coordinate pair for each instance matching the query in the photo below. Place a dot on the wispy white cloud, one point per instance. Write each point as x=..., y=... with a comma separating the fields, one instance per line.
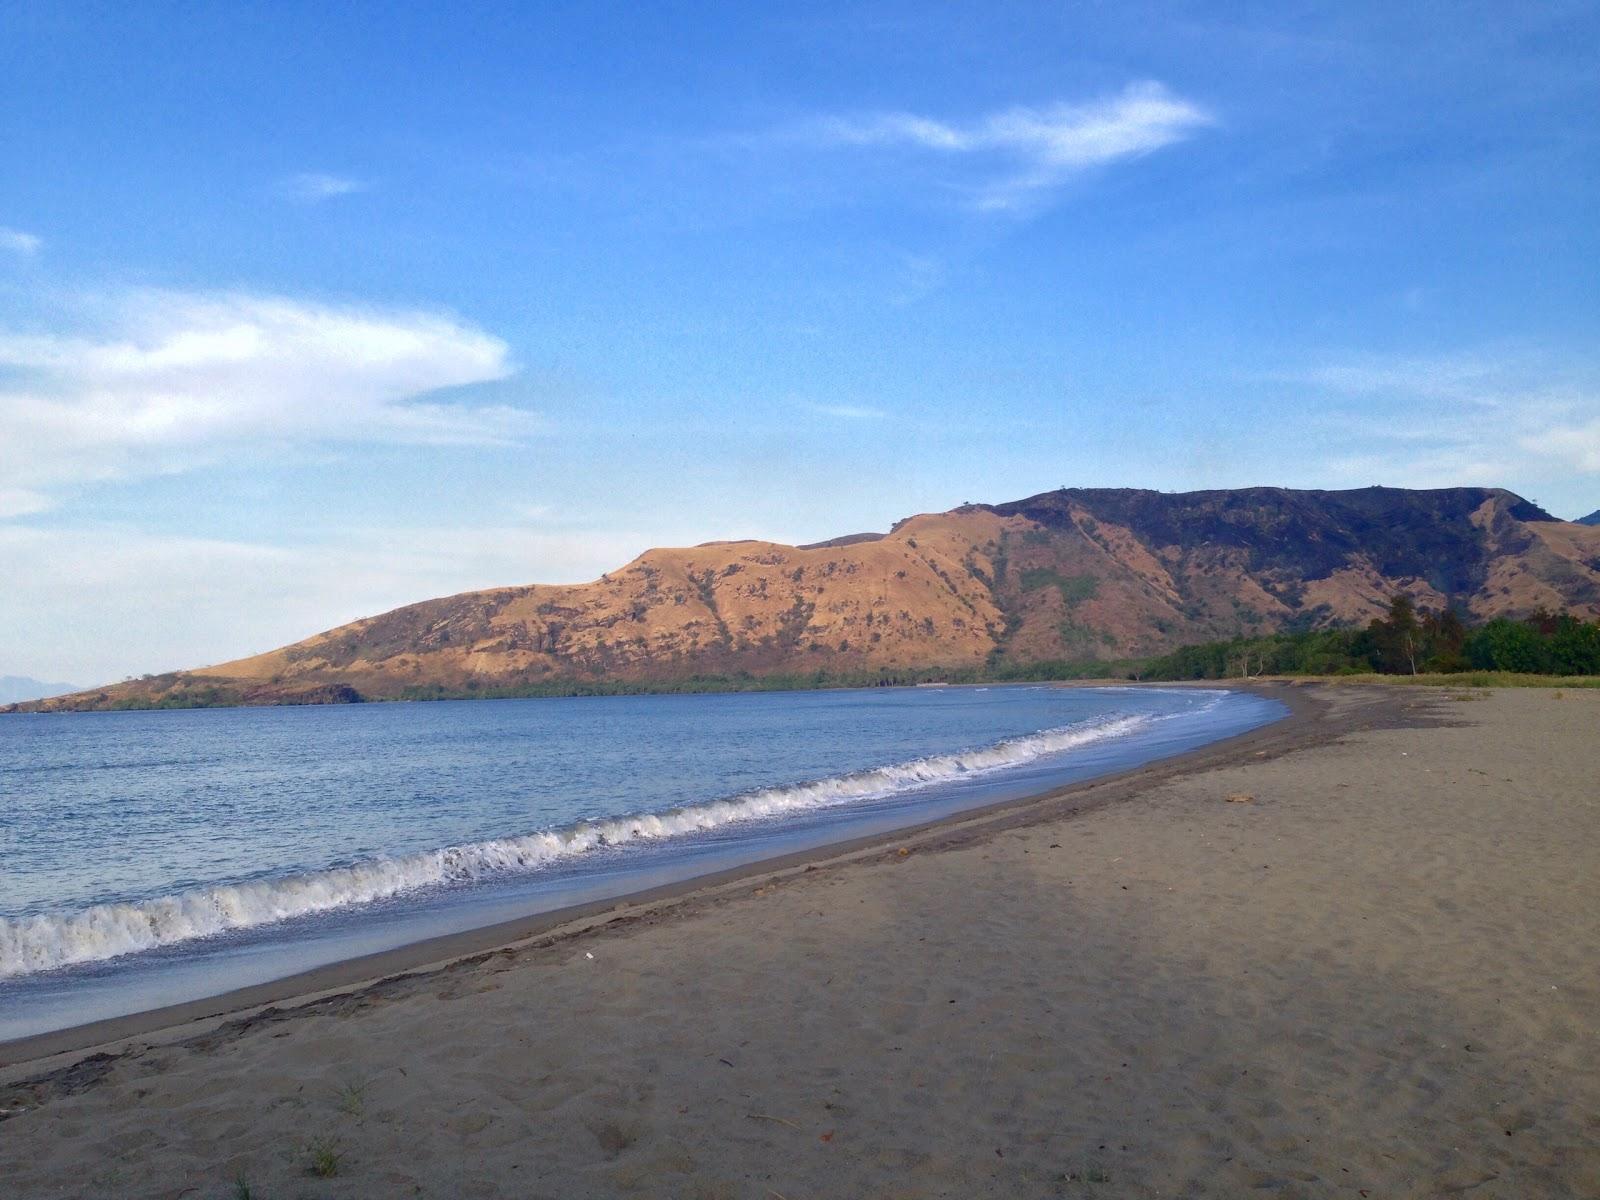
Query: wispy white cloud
x=1578, y=445
x=1041, y=148
x=21, y=502
x=1490, y=417
x=160, y=381
x=847, y=412
x=311, y=187
x=16, y=241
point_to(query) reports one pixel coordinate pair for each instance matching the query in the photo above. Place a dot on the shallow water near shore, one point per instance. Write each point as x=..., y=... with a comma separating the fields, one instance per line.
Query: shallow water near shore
x=151, y=858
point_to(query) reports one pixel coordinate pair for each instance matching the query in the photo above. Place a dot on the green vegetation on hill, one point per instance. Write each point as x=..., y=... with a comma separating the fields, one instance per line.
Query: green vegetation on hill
x=1405, y=642
x=1074, y=589
x=778, y=682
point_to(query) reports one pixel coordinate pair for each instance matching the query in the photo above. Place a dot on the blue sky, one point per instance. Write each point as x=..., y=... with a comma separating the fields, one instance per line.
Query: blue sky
x=307, y=311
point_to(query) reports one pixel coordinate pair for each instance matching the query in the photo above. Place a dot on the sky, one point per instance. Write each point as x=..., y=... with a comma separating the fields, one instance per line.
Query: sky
x=308, y=311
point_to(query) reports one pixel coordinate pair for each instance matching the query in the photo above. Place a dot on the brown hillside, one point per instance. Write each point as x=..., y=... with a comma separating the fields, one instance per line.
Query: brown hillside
x=1068, y=575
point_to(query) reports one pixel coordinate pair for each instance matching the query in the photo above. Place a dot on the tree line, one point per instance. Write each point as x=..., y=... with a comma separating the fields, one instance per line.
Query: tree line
x=1407, y=640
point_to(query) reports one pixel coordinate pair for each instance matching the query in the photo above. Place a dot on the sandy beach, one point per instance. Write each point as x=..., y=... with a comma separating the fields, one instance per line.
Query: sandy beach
x=1356, y=955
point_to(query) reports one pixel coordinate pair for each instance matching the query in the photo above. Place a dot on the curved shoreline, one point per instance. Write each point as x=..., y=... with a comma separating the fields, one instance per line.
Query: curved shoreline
x=112, y=929
x=1305, y=724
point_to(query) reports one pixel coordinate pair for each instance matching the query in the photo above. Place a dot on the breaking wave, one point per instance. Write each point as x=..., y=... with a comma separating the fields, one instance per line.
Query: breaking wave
x=44, y=941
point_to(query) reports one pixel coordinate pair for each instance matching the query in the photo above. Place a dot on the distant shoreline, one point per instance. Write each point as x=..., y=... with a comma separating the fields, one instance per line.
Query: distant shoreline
x=1048, y=673
x=1460, y=679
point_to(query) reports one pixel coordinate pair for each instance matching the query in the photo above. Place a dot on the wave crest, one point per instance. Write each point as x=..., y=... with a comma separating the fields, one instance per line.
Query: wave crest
x=45, y=941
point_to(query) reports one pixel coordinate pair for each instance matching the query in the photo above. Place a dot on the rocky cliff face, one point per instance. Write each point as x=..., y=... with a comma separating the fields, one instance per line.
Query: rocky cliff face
x=1069, y=575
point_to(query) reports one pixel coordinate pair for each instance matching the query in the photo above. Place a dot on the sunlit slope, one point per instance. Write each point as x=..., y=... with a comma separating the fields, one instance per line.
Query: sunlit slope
x=1070, y=575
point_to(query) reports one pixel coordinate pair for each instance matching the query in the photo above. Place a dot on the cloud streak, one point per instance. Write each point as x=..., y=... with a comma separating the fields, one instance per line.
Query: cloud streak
x=1036, y=149
x=1459, y=419
x=313, y=187
x=847, y=412
x=163, y=381
x=16, y=241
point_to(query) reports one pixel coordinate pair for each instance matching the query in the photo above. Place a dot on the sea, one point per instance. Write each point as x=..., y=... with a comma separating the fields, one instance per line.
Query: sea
x=149, y=858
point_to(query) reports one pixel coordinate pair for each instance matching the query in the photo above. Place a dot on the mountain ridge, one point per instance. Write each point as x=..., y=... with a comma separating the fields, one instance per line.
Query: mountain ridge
x=1066, y=576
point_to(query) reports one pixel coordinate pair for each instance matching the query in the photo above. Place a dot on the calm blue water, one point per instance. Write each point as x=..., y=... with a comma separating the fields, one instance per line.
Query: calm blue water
x=154, y=857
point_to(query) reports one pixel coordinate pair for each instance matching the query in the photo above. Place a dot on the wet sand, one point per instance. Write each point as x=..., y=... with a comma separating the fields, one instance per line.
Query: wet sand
x=1375, y=976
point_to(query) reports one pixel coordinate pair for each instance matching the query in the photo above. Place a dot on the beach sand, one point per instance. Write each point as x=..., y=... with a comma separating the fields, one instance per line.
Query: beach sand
x=1377, y=976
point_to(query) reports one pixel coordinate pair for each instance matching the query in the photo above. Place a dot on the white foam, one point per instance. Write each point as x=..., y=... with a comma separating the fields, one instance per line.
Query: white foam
x=45, y=941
